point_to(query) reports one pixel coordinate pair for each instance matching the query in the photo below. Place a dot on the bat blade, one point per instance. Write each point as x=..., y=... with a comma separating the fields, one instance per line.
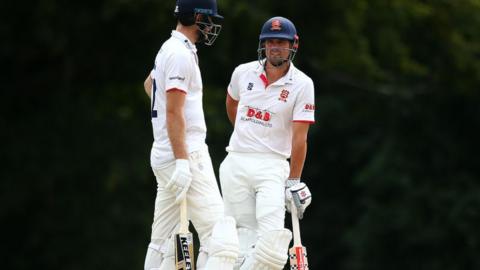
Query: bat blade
x=184, y=257
x=297, y=253
x=298, y=258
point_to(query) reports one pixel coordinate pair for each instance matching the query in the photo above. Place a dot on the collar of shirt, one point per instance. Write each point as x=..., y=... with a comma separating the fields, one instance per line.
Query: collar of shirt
x=286, y=79
x=184, y=40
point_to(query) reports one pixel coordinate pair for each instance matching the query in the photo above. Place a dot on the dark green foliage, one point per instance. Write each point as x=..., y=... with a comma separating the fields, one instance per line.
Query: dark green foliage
x=392, y=160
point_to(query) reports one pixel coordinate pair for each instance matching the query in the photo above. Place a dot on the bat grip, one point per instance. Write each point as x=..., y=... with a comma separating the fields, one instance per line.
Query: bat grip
x=183, y=216
x=295, y=225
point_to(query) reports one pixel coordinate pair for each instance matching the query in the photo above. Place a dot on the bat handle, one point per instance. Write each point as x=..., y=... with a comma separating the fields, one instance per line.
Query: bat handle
x=183, y=216
x=297, y=241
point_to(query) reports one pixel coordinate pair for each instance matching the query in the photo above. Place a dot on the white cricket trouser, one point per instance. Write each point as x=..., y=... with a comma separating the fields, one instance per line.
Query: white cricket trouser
x=253, y=189
x=205, y=206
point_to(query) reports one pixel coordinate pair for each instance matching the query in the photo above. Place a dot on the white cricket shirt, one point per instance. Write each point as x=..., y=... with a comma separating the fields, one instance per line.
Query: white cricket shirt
x=265, y=113
x=176, y=66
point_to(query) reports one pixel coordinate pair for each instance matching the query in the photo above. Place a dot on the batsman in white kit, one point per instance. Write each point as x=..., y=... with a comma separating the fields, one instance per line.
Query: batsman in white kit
x=271, y=105
x=186, y=183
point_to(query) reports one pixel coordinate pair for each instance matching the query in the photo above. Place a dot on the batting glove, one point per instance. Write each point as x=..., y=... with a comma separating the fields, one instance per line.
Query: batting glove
x=180, y=180
x=299, y=193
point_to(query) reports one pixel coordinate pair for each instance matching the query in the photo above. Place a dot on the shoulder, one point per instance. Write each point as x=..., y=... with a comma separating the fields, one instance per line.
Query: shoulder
x=246, y=67
x=302, y=79
x=173, y=48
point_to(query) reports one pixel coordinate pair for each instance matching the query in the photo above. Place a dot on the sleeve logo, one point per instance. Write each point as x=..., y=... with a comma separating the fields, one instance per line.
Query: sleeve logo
x=309, y=108
x=177, y=78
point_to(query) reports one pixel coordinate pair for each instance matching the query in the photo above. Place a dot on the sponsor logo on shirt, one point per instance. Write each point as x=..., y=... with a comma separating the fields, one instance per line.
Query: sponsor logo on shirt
x=177, y=78
x=250, y=86
x=284, y=95
x=258, y=116
x=309, y=108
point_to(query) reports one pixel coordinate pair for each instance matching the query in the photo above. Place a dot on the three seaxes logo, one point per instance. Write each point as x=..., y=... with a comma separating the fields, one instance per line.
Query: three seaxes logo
x=276, y=25
x=284, y=95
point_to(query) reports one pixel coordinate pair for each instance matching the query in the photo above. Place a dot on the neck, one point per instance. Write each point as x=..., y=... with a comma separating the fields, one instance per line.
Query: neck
x=274, y=73
x=191, y=32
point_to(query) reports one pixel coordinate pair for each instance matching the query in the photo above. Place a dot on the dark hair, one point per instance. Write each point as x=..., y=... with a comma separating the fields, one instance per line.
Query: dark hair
x=186, y=19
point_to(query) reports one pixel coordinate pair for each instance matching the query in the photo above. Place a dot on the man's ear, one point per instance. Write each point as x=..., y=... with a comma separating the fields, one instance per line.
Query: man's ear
x=198, y=17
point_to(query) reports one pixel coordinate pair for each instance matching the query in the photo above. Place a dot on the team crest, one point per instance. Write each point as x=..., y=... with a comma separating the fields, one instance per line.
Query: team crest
x=276, y=25
x=250, y=86
x=284, y=95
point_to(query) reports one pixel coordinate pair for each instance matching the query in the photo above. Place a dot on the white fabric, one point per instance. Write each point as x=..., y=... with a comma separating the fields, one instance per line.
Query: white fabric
x=169, y=254
x=160, y=255
x=201, y=258
x=205, y=206
x=220, y=263
x=176, y=67
x=223, y=245
x=288, y=199
x=180, y=180
x=253, y=188
x=224, y=239
x=154, y=257
x=271, y=251
x=246, y=239
x=269, y=112
x=291, y=182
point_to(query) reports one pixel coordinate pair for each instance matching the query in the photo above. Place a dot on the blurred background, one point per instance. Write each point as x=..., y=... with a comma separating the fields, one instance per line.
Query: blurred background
x=392, y=161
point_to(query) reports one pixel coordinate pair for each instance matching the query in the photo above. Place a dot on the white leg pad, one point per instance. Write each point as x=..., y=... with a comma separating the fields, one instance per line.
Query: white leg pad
x=271, y=251
x=223, y=245
x=202, y=258
x=168, y=249
x=154, y=257
x=246, y=239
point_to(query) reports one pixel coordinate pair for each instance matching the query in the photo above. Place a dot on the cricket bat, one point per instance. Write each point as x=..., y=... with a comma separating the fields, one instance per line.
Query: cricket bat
x=297, y=253
x=184, y=257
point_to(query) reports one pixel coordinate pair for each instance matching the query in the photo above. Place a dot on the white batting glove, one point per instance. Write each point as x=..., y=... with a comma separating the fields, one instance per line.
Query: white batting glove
x=299, y=193
x=180, y=180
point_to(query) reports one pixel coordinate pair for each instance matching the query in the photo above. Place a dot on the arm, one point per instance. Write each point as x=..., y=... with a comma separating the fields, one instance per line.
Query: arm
x=296, y=190
x=176, y=122
x=147, y=85
x=232, y=106
x=299, y=148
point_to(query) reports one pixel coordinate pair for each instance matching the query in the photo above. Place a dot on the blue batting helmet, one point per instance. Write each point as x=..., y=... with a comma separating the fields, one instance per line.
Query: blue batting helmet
x=278, y=28
x=190, y=7
x=209, y=26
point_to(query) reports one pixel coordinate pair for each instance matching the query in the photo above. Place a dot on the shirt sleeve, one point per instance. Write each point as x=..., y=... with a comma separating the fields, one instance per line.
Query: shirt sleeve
x=178, y=72
x=233, y=89
x=304, y=109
